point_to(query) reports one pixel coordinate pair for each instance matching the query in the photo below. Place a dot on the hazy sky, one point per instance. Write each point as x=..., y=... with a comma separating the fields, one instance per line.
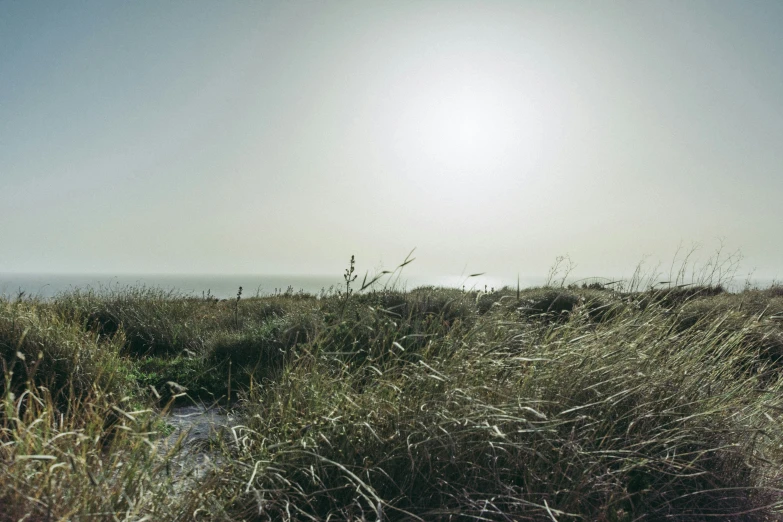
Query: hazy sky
x=282, y=137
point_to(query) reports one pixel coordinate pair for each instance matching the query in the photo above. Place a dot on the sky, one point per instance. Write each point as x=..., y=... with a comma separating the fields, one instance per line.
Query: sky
x=283, y=137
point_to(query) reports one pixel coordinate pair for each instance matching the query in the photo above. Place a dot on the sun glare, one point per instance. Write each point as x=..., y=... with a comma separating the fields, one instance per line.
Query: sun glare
x=457, y=128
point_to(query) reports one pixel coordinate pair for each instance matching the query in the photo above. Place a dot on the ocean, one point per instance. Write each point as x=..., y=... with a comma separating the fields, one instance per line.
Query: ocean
x=225, y=286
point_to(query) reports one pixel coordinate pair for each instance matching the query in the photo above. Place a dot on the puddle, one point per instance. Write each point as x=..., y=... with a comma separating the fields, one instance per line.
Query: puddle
x=197, y=422
x=198, y=427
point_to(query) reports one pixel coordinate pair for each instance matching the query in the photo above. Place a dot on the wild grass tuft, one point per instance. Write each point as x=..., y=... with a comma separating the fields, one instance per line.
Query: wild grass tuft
x=39, y=345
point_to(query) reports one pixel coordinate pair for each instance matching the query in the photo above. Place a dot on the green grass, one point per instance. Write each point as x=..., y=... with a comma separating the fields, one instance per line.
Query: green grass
x=434, y=404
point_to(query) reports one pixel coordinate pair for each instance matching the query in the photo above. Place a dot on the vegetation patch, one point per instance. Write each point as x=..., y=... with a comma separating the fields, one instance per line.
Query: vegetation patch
x=564, y=403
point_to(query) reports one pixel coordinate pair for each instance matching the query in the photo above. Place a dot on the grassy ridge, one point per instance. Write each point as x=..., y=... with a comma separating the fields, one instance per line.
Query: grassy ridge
x=564, y=404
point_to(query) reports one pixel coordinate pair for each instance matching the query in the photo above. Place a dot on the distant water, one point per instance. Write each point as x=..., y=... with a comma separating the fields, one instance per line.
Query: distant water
x=226, y=286
x=222, y=286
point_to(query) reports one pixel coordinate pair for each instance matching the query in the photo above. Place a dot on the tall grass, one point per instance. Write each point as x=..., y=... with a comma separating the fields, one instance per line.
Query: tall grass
x=556, y=403
x=611, y=421
x=37, y=344
x=74, y=465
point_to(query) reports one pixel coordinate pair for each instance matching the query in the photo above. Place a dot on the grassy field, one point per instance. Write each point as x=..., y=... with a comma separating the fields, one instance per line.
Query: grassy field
x=434, y=404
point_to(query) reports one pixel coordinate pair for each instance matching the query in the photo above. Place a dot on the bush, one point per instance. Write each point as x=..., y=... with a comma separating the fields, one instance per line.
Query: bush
x=37, y=344
x=389, y=327
x=557, y=303
x=258, y=354
x=153, y=321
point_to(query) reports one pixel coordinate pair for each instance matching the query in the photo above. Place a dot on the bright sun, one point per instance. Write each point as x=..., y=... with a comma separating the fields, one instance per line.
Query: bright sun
x=467, y=130
x=461, y=122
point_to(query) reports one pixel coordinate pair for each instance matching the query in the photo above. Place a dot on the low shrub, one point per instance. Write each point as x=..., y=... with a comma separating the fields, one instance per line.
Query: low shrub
x=153, y=321
x=258, y=354
x=38, y=345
